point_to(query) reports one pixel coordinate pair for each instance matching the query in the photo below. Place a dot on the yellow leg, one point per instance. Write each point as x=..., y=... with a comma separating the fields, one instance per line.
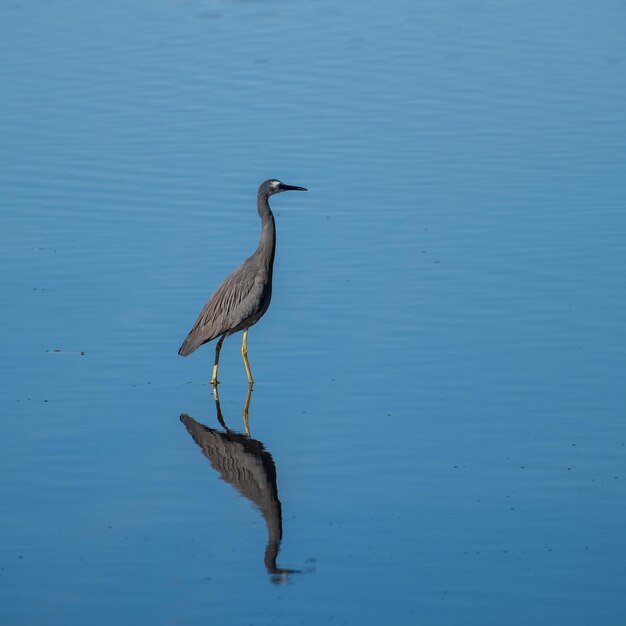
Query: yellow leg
x=218, y=347
x=244, y=354
x=246, y=409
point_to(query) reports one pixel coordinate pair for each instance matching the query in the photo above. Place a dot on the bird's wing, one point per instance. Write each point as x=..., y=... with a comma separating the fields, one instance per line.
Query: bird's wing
x=233, y=302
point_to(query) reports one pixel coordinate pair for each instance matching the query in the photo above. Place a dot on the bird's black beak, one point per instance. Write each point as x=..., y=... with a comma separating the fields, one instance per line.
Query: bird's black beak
x=284, y=187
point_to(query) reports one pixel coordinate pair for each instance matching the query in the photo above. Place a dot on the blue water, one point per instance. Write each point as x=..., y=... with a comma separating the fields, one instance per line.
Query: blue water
x=439, y=379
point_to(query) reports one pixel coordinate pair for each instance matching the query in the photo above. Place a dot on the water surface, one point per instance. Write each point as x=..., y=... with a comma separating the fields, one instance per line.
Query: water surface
x=439, y=379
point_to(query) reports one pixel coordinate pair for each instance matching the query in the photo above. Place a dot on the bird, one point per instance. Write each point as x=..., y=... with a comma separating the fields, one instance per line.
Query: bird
x=244, y=296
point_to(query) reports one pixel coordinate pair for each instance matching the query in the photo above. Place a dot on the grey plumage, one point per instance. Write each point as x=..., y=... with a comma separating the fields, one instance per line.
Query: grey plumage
x=244, y=296
x=237, y=303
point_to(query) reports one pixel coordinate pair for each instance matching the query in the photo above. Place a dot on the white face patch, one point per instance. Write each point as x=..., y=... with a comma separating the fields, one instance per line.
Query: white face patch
x=275, y=183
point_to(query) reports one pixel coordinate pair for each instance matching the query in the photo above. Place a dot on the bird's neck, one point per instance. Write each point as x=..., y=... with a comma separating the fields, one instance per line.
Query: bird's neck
x=267, y=244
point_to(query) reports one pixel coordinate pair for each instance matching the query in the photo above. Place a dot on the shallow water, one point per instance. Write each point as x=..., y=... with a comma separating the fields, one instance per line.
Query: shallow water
x=439, y=379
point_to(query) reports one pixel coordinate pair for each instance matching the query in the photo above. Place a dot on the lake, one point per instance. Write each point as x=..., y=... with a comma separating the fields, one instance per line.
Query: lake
x=436, y=433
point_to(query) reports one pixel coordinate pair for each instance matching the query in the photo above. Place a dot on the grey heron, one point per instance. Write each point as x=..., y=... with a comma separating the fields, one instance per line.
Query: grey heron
x=244, y=296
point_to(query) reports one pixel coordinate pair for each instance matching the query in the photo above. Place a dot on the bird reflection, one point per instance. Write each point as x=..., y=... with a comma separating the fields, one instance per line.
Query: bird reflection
x=244, y=463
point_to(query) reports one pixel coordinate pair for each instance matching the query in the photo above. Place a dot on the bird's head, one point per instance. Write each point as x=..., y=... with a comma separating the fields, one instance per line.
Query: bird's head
x=272, y=186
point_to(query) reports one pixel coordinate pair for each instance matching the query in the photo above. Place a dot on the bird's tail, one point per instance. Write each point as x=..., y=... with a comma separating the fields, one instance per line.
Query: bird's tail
x=189, y=345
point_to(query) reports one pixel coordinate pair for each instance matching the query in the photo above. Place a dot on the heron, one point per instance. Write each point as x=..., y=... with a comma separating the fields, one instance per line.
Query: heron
x=244, y=296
